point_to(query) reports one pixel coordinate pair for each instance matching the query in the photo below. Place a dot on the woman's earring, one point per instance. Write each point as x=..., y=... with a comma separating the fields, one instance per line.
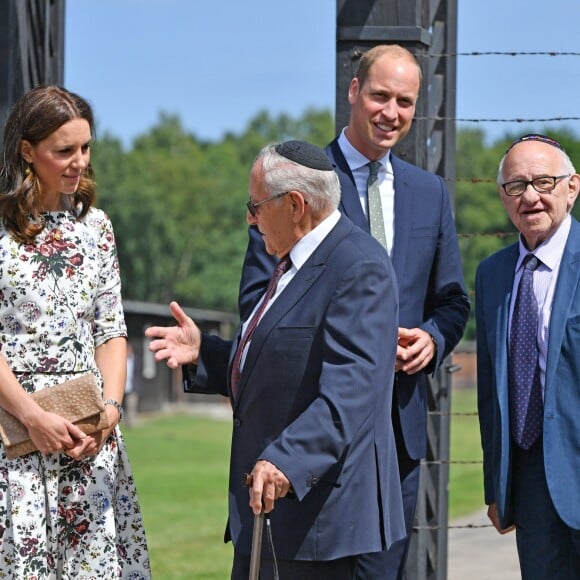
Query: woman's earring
x=27, y=171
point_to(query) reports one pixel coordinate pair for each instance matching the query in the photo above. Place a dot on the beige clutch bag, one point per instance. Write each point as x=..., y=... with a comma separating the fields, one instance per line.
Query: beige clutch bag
x=78, y=400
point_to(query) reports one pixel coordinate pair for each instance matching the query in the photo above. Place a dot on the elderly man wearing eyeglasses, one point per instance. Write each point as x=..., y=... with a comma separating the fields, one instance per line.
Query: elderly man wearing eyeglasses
x=310, y=378
x=528, y=359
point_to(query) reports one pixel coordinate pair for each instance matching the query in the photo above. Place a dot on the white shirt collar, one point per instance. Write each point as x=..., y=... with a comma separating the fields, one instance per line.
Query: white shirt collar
x=550, y=251
x=355, y=159
x=303, y=249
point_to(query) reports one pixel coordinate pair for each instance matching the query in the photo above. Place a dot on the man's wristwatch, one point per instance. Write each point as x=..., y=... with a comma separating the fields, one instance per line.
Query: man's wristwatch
x=117, y=406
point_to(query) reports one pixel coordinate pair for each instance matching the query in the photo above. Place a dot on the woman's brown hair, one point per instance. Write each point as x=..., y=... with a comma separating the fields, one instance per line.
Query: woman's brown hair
x=35, y=116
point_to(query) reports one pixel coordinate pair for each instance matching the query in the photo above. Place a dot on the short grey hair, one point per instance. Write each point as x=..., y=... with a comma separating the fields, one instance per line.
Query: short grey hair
x=321, y=189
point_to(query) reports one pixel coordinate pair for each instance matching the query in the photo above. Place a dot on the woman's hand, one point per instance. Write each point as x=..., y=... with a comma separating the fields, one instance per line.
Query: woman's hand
x=92, y=444
x=52, y=433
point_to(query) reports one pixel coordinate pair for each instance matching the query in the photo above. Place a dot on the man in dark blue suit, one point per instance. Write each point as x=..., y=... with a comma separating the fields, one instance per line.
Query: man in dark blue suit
x=419, y=233
x=529, y=398
x=310, y=383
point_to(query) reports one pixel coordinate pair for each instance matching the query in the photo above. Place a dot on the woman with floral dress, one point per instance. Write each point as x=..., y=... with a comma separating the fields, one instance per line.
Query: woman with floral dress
x=69, y=510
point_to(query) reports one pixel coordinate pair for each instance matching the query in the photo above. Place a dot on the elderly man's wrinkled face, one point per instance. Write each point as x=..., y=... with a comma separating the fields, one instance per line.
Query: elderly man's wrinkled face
x=536, y=214
x=274, y=218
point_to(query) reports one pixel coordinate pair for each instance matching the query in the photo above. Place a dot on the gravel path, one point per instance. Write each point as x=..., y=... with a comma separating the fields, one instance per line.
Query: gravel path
x=481, y=553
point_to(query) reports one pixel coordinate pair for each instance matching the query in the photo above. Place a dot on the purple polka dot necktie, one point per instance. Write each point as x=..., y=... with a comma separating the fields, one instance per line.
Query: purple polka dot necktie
x=283, y=266
x=526, y=406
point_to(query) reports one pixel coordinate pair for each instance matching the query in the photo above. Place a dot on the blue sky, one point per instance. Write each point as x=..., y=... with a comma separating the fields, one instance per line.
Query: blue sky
x=217, y=63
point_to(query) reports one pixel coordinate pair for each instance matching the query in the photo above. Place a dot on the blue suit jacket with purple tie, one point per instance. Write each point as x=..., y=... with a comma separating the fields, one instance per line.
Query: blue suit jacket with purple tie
x=561, y=425
x=314, y=399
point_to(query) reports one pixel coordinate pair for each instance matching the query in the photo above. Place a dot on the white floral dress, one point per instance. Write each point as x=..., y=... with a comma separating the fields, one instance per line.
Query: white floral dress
x=59, y=300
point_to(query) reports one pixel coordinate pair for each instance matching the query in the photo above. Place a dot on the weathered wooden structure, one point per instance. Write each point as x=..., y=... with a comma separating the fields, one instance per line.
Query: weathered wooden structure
x=428, y=28
x=31, y=48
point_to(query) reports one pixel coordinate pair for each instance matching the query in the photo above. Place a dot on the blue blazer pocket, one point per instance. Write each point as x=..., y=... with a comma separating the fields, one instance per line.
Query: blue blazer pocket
x=290, y=347
x=295, y=331
x=294, y=339
x=425, y=231
x=572, y=330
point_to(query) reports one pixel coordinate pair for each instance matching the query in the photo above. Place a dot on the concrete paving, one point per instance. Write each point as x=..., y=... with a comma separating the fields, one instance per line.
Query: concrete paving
x=480, y=553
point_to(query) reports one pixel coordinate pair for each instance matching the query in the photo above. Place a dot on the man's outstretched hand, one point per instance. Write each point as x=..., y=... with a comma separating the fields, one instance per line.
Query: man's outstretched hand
x=178, y=345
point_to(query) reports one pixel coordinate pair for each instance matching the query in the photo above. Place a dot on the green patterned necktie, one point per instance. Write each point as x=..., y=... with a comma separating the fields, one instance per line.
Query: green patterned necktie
x=376, y=220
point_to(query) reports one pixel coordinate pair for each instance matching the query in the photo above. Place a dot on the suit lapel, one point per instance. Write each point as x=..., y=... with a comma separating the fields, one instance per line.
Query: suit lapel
x=350, y=204
x=503, y=286
x=403, y=211
x=294, y=291
x=565, y=293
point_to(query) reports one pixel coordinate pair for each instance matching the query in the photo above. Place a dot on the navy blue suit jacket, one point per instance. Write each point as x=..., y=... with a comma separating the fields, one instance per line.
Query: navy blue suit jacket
x=561, y=434
x=429, y=274
x=314, y=401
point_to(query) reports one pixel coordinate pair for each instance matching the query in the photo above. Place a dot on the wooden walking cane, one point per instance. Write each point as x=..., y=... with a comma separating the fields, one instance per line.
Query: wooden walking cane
x=256, y=553
x=257, y=533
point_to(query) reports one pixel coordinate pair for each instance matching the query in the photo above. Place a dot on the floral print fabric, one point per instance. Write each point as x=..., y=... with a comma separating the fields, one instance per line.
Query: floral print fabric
x=59, y=300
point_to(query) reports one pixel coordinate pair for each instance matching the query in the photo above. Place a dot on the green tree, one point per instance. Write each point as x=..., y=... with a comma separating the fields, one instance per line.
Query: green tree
x=178, y=205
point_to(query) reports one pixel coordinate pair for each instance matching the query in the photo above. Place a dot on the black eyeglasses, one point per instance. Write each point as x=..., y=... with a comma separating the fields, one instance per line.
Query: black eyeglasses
x=543, y=184
x=252, y=206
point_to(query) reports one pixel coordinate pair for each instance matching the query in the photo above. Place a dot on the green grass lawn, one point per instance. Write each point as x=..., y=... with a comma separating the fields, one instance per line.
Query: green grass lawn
x=180, y=463
x=465, y=480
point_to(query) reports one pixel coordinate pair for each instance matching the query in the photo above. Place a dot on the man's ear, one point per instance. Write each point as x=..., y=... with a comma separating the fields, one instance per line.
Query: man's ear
x=573, y=190
x=298, y=205
x=353, y=90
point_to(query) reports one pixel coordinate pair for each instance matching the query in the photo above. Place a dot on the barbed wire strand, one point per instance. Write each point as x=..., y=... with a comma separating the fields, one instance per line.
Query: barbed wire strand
x=452, y=414
x=491, y=120
x=453, y=526
x=502, y=53
x=452, y=462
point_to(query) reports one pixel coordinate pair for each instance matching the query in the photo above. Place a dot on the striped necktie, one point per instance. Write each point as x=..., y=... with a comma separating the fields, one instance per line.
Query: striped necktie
x=284, y=265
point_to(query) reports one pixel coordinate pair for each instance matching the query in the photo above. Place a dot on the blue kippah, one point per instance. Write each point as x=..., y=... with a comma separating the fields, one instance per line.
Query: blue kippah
x=305, y=154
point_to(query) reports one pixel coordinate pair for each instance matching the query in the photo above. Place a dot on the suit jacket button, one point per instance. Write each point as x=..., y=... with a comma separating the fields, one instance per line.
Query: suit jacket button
x=237, y=422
